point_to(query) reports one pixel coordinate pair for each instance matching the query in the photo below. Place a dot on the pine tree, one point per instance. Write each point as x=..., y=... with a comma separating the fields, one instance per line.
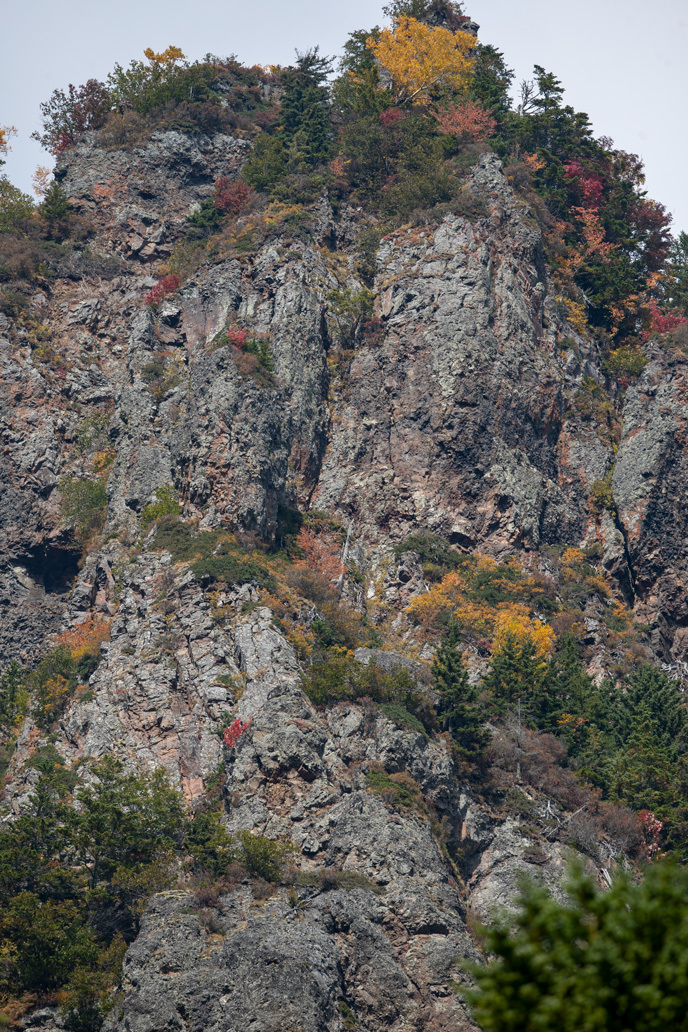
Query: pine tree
x=306, y=125
x=515, y=671
x=603, y=961
x=565, y=688
x=458, y=710
x=55, y=206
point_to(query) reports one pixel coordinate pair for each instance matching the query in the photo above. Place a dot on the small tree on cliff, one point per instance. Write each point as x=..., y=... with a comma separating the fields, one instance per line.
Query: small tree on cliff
x=457, y=707
x=424, y=62
x=305, y=107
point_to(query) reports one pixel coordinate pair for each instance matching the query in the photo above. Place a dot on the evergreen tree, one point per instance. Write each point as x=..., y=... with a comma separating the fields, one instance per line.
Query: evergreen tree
x=12, y=695
x=491, y=80
x=653, y=702
x=457, y=709
x=306, y=129
x=603, y=961
x=677, y=273
x=55, y=206
x=515, y=671
x=565, y=688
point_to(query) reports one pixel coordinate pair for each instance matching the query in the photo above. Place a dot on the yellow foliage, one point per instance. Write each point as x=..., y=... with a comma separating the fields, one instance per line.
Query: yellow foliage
x=55, y=693
x=514, y=622
x=575, y=314
x=455, y=596
x=168, y=57
x=573, y=557
x=421, y=59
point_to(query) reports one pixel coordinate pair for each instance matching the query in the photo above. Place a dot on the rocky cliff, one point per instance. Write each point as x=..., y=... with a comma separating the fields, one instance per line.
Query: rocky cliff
x=466, y=408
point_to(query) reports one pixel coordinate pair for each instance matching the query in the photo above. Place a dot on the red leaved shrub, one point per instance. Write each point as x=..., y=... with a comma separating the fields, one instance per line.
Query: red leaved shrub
x=167, y=285
x=232, y=198
x=467, y=121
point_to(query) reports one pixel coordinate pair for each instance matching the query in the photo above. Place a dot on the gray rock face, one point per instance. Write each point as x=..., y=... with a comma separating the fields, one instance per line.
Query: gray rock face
x=461, y=416
x=456, y=419
x=649, y=478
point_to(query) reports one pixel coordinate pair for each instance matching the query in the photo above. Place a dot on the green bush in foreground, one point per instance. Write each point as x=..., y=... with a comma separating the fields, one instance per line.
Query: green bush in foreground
x=603, y=961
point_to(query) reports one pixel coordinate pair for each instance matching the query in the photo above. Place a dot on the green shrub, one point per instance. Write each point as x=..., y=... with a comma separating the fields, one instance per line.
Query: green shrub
x=337, y=678
x=435, y=553
x=92, y=432
x=400, y=716
x=626, y=361
x=181, y=542
x=13, y=696
x=52, y=684
x=213, y=849
x=602, y=495
x=84, y=505
x=15, y=207
x=263, y=857
x=397, y=789
x=166, y=504
x=329, y=879
x=261, y=350
x=227, y=568
x=602, y=960
x=13, y=303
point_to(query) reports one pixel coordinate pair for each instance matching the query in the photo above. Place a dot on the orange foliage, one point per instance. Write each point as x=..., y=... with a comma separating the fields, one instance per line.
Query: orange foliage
x=6, y=131
x=534, y=162
x=593, y=235
x=421, y=59
x=468, y=121
x=321, y=553
x=86, y=638
x=168, y=58
x=41, y=180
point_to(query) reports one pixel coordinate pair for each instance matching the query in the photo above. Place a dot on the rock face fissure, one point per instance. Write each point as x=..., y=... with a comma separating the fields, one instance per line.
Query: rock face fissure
x=458, y=411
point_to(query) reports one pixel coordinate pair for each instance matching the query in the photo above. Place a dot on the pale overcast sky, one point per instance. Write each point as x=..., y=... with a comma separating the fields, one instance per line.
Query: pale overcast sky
x=622, y=61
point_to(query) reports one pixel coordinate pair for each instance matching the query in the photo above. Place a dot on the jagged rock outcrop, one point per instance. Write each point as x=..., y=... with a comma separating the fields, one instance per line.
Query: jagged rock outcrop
x=459, y=414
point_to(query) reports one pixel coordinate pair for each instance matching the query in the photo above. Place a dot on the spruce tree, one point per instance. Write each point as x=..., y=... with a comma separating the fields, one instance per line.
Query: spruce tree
x=565, y=688
x=677, y=273
x=600, y=960
x=514, y=671
x=457, y=709
x=55, y=206
x=306, y=125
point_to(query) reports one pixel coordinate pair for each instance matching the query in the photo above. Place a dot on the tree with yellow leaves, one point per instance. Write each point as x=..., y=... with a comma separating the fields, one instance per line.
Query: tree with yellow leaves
x=6, y=132
x=167, y=58
x=423, y=61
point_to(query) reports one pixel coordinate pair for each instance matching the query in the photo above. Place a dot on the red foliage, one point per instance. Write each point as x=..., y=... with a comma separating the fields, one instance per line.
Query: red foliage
x=662, y=320
x=232, y=198
x=167, y=285
x=590, y=185
x=468, y=121
x=321, y=554
x=61, y=142
x=233, y=733
x=652, y=829
x=391, y=116
x=237, y=336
